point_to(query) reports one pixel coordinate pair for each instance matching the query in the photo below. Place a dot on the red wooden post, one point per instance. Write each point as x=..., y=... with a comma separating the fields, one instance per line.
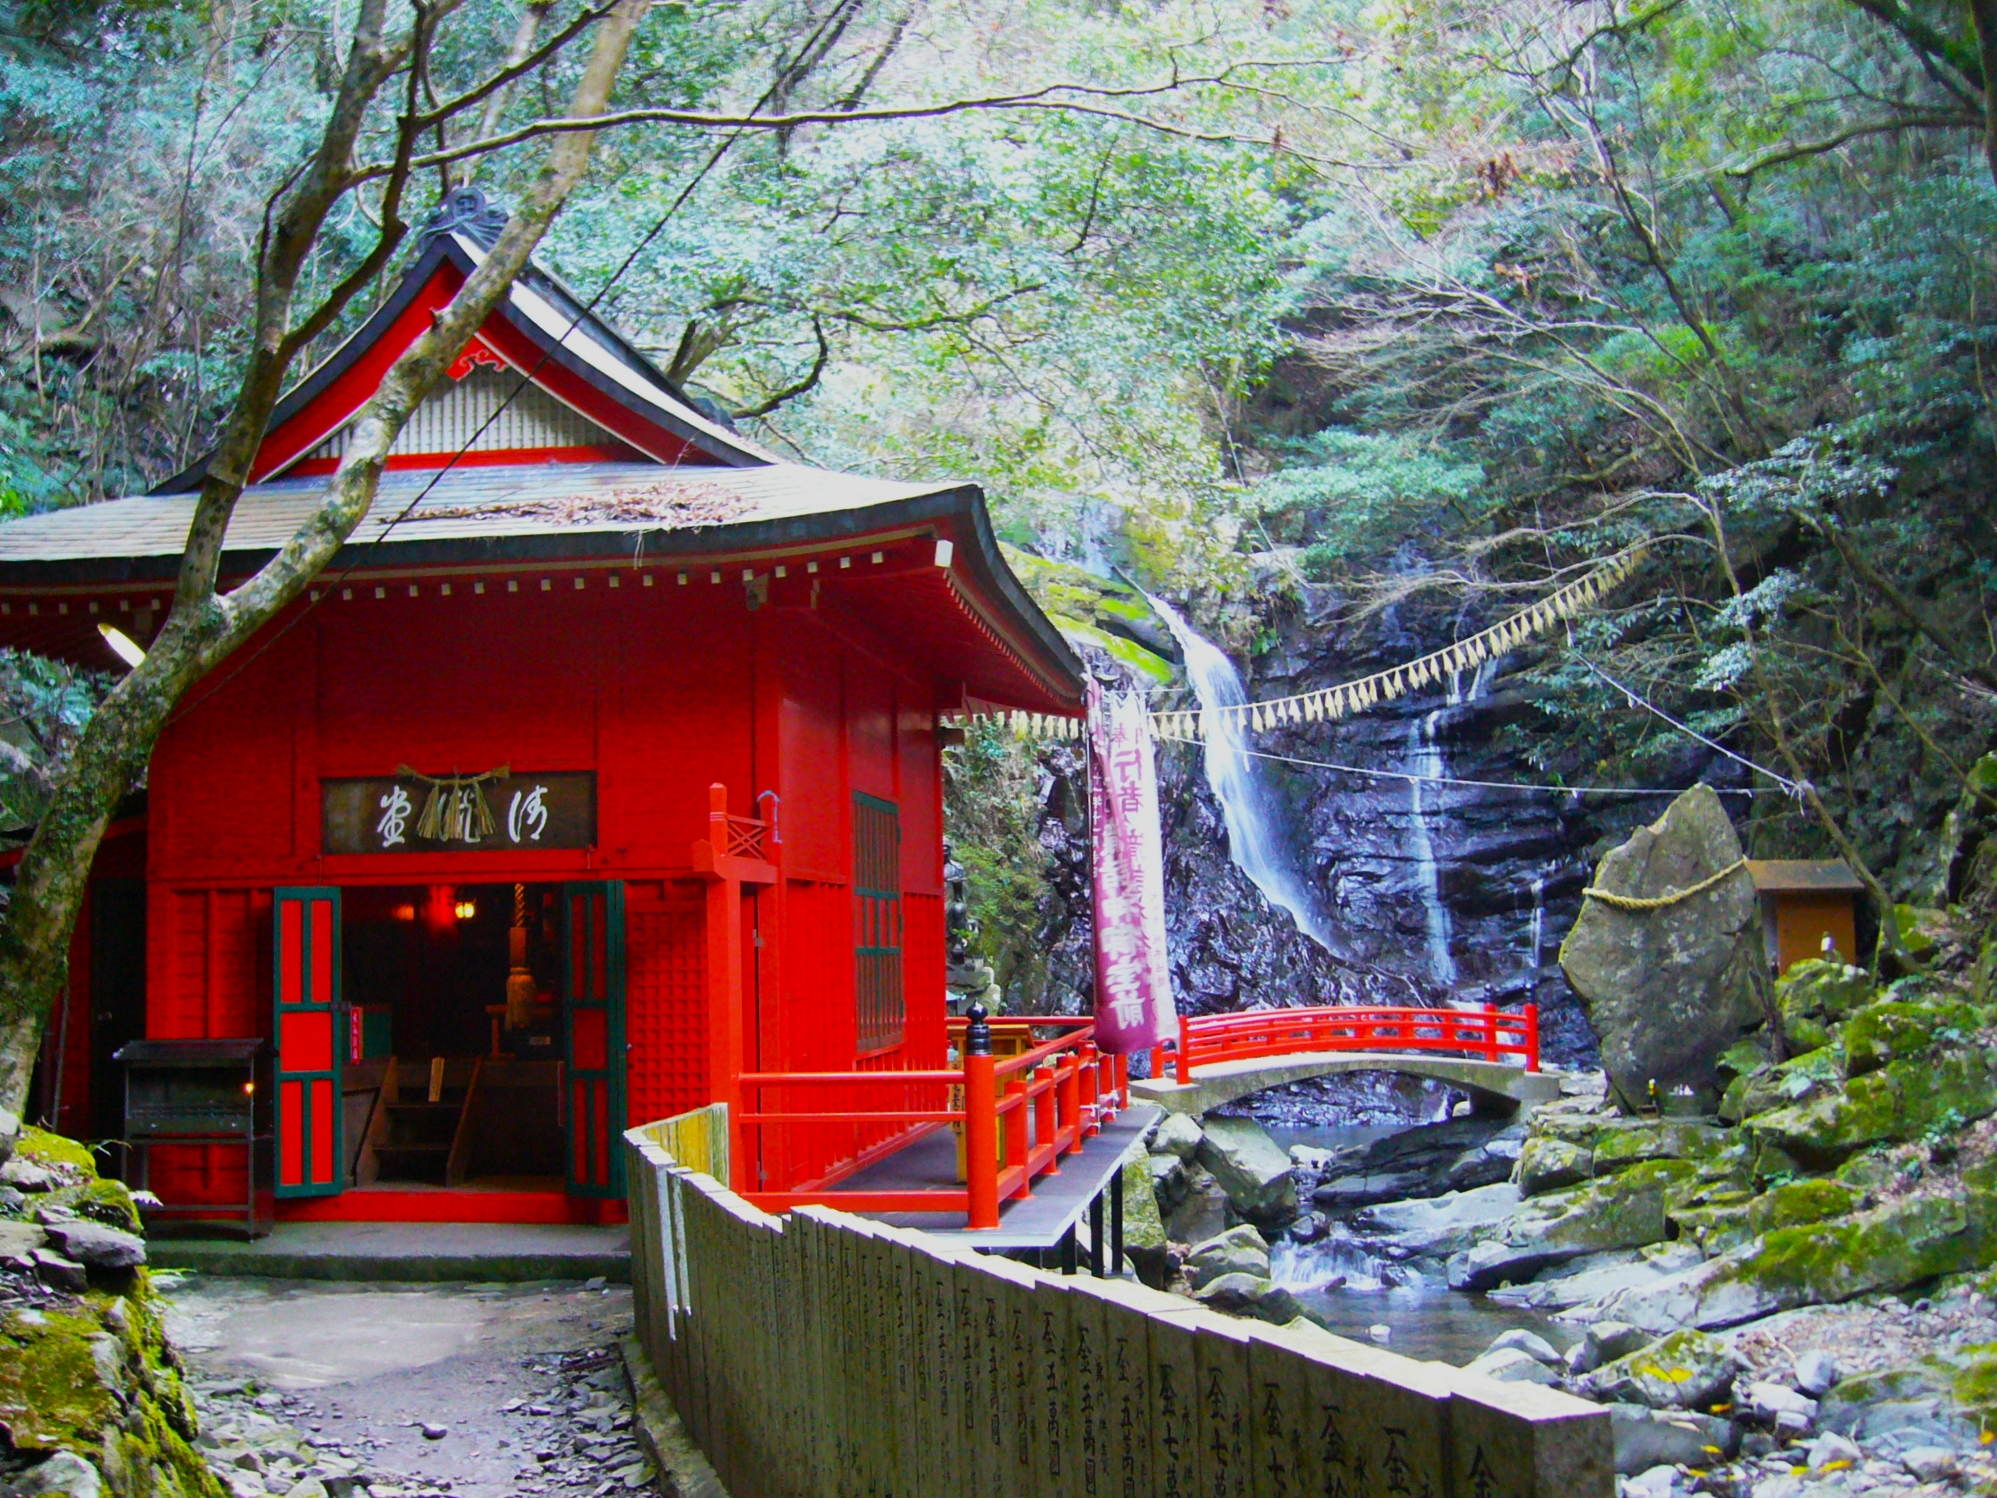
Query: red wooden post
x=1123, y=1080
x=724, y=987
x=1532, y=1037
x=1015, y=1133
x=1185, y=1062
x=1158, y=1063
x=1071, y=1100
x=1491, y=1018
x=980, y=1121
x=1046, y=1125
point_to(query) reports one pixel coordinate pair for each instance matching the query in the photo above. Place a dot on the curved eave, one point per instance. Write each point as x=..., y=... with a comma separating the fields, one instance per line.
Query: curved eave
x=977, y=584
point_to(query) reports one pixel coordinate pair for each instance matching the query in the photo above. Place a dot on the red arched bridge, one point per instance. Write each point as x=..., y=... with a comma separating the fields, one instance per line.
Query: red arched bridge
x=1221, y=1057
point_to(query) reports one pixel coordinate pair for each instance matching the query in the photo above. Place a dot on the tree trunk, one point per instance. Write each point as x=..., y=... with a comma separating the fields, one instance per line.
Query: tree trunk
x=203, y=629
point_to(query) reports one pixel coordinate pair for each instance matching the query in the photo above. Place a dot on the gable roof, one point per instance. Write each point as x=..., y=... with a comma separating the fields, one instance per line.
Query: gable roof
x=541, y=338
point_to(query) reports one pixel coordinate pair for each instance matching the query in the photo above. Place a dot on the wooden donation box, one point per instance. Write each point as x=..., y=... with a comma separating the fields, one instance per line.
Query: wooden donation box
x=1804, y=900
x=211, y=1095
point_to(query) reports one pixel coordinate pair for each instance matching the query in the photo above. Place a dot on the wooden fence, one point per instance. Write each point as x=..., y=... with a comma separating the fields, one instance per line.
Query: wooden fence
x=819, y=1355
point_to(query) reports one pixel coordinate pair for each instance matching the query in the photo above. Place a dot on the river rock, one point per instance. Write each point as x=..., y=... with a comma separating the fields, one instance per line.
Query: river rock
x=1251, y=1168
x=64, y=1473
x=1547, y=1164
x=1816, y=1374
x=96, y=1246
x=1512, y=1365
x=1647, y=1438
x=1622, y=1211
x=1530, y=1343
x=1251, y=1295
x=1686, y=1370
x=1239, y=1250
x=1201, y=1213
x=1168, y=1181
x=1604, y=1342
x=1459, y=1155
x=1668, y=990
x=1178, y=1134
x=1434, y=1227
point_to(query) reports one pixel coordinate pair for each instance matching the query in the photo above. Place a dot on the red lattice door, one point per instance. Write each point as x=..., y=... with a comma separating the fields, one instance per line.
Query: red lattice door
x=305, y=1027
x=593, y=1027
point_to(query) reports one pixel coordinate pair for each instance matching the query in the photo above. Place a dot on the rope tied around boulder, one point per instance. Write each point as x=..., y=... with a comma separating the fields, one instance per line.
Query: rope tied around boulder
x=1658, y=902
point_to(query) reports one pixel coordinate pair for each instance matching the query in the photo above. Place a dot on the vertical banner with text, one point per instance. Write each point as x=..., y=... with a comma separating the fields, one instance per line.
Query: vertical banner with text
x=1133, y=975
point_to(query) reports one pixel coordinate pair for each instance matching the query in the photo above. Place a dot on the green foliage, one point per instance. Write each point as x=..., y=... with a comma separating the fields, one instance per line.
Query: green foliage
x=991, y=805
x=43, y=707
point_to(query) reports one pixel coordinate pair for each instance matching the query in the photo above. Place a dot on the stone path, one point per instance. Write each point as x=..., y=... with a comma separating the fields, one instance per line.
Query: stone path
x=327, y=1390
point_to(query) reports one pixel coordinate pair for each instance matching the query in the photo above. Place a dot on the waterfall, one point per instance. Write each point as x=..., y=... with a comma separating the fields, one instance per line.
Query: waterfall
x=1538, y=927
x=1252, y=839
x=1425, y=760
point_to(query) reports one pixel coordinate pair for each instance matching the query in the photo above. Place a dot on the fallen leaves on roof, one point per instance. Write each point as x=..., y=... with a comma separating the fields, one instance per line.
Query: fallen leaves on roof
x=671, y=504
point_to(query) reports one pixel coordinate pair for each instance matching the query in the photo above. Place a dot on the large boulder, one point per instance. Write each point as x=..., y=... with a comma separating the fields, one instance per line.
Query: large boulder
x=1668, y=990
x=1201, y=1212
x=1251, y=1168
x=1239, y=1250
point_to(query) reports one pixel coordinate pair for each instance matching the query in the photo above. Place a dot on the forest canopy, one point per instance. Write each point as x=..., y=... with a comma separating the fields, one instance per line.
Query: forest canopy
x=1299, y=304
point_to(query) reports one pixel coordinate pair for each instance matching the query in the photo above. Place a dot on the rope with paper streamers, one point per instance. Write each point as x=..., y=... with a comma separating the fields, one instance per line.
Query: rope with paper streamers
x=1333, y=703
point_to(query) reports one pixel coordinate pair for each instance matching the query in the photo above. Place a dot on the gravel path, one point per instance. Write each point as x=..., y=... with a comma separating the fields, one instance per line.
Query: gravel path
x=317, y=1390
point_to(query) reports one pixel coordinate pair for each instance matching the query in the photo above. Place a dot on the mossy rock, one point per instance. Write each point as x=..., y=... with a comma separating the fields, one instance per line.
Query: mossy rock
x=1745, y=1057
x=1903, y=1100
x=1808, y=1034
x=101, y=1200
x=1569, y=1128
x=1872, y=1171
x=1779, y=1086
x=1716, y=1228
x=1921, y=931
x=1799, y=1204
x=57, y=1372
x=1686, y=1370
x=1820, y=990
x=1626, y=1210
x=45, y=1148
x=1547, y=1164
x=1629, y=1143
x=1891, y=1031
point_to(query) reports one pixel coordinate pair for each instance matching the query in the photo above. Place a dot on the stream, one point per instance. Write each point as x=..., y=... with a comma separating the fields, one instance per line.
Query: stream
x=1350, y=1291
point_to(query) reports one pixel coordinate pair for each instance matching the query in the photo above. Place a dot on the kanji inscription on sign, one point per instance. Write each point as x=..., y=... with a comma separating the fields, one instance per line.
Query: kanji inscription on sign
x=381, y=814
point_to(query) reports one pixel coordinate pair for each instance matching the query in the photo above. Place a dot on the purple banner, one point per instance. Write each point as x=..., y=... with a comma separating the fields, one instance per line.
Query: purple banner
x=1134, y=1008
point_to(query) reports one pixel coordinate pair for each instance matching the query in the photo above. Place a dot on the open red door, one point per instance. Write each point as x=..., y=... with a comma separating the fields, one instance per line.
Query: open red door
x=306, y=985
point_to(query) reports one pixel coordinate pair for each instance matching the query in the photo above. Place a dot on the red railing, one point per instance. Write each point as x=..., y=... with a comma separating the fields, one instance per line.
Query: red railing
x=1032, y=1107
x=1486, y=1034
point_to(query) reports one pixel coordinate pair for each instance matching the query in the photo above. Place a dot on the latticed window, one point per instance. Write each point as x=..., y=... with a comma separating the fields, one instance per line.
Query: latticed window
x=877, y=921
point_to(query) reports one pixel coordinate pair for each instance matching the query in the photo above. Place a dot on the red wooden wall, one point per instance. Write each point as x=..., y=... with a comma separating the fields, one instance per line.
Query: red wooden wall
x=660, y=690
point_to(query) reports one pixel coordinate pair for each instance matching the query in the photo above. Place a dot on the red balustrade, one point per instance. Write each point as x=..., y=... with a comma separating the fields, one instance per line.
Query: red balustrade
x=1484, y=1034
x=1044, y=1100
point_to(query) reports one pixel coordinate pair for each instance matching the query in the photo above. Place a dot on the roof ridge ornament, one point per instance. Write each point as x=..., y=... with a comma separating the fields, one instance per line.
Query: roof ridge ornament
x=467, y=211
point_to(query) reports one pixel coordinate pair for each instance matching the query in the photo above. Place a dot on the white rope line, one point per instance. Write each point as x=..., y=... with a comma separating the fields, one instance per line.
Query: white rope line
x=1489, y=785
x=1792, y=788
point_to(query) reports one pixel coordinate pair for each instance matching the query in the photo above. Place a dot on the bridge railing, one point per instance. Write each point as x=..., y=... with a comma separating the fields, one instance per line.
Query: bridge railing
x=1019, y=1114
x=818, y=1355
x=1485, y=1034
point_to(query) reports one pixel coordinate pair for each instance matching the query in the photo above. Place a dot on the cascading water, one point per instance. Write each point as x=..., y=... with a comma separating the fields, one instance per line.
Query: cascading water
x=1425, y=763
x=1537, y=931
x=1252, y=838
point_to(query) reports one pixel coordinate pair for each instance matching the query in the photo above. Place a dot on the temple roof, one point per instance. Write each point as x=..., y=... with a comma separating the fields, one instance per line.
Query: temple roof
x=554, y=442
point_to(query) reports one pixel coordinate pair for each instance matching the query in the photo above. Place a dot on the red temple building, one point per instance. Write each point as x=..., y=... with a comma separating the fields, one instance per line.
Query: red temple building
x=601, y=767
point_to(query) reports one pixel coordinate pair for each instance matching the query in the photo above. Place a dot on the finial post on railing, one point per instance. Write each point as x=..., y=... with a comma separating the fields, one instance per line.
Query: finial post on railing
x=1185, y=1057
x=1532, y=1037
x=980, y=1119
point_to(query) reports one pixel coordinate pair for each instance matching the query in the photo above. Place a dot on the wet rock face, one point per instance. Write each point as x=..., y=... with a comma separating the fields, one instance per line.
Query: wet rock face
x=1491, y=877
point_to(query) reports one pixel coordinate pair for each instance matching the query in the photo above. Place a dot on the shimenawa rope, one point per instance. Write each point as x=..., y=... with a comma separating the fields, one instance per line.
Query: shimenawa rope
x=1658, y=902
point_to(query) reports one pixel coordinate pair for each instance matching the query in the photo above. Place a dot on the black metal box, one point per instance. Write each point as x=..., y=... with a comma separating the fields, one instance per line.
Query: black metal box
x=202, y=1092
